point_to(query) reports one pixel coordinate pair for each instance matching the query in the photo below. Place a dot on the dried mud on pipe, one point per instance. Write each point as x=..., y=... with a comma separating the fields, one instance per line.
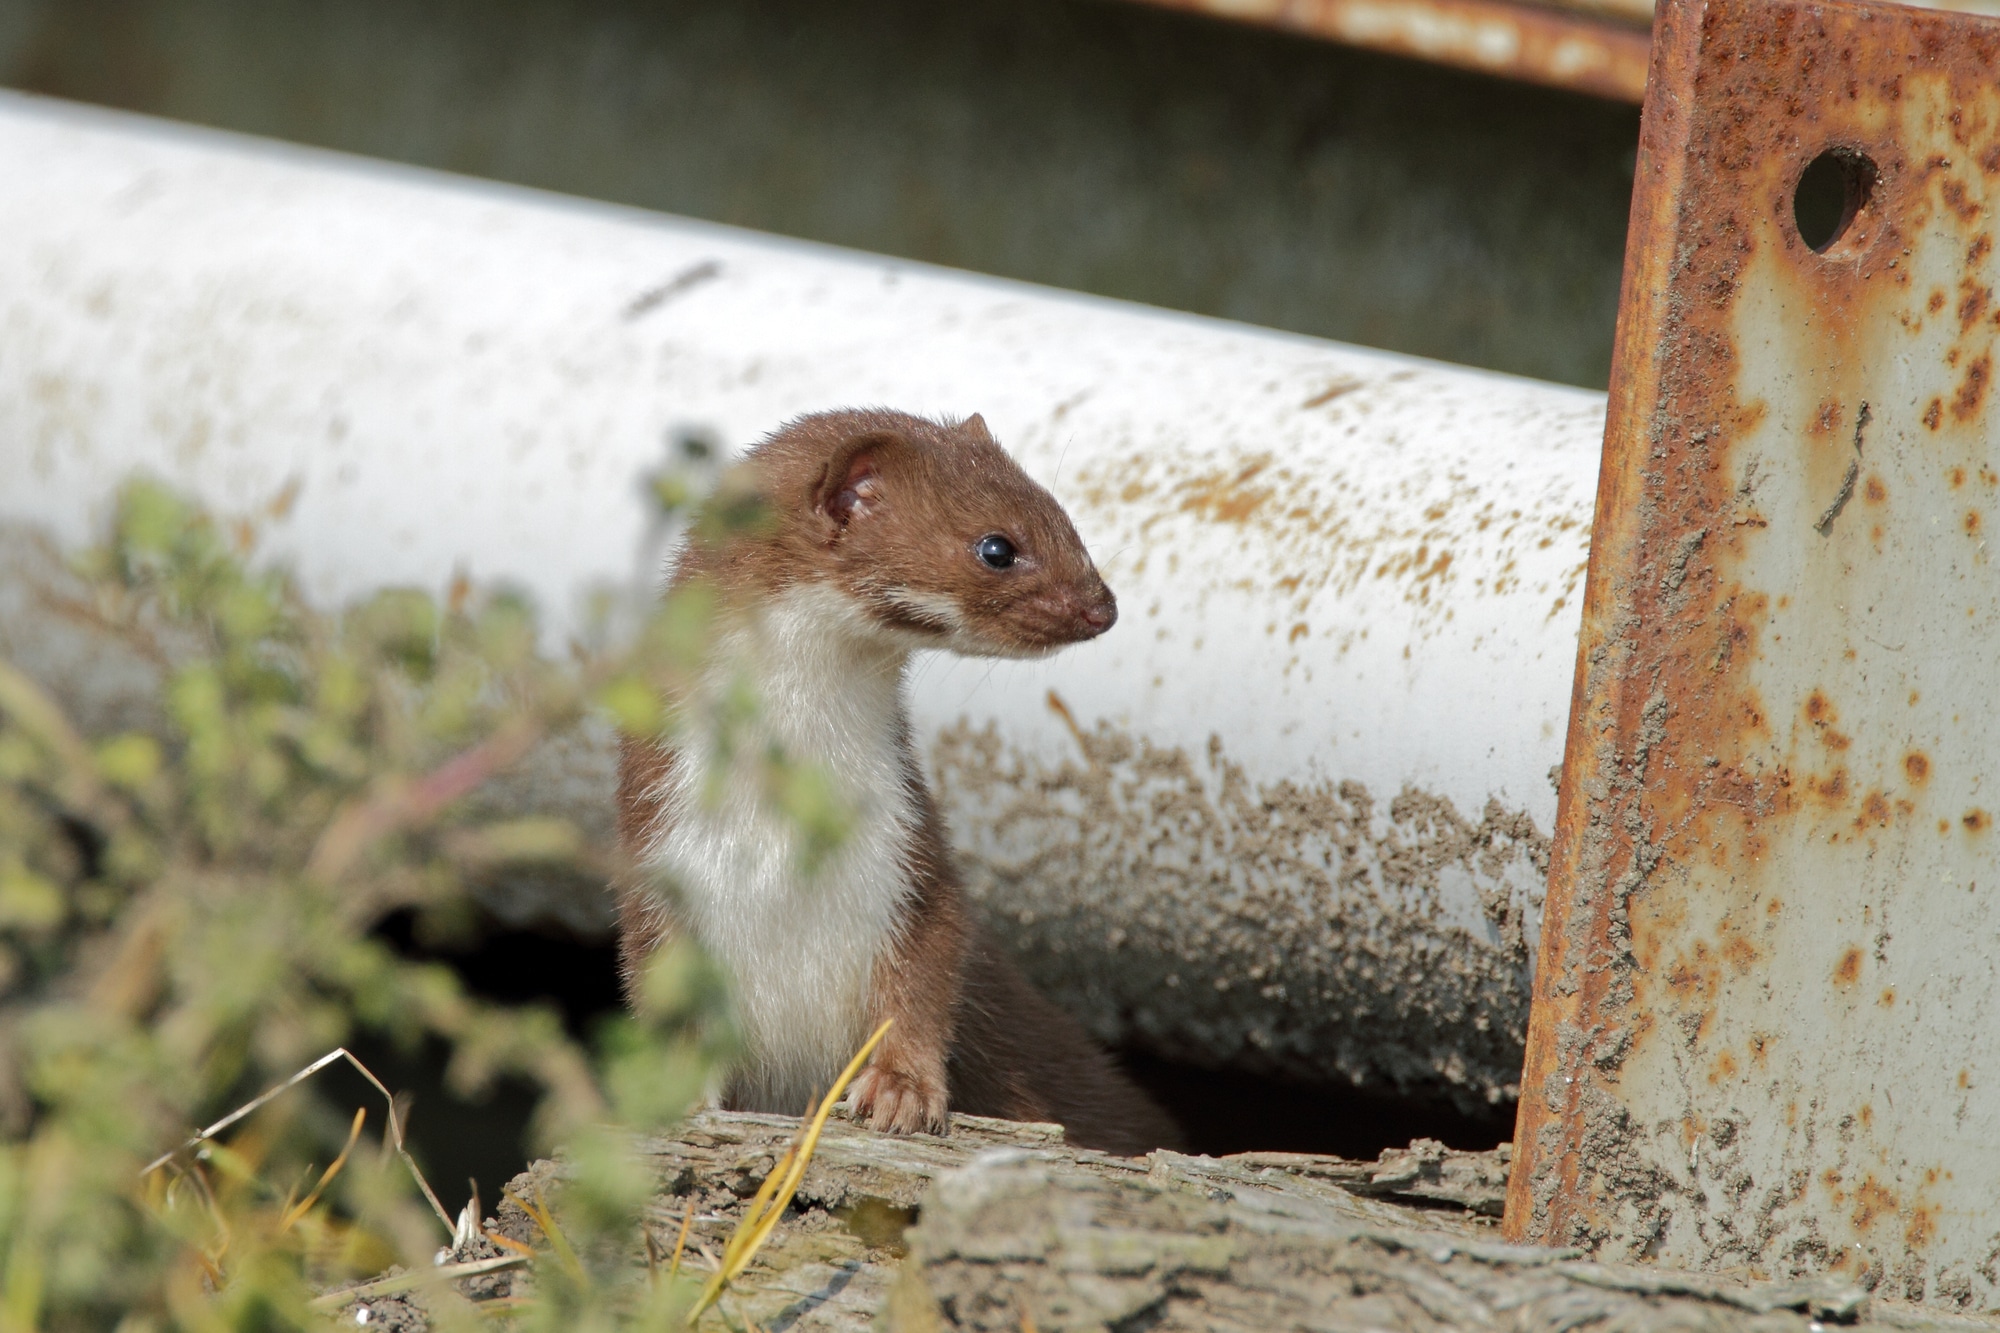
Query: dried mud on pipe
x=1287, y=927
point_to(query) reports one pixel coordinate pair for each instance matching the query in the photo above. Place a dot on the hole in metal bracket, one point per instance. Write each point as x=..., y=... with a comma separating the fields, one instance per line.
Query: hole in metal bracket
x=1833, y=188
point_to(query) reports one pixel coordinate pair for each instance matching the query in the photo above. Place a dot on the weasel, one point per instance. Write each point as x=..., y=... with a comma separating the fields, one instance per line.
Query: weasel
x=879, y=534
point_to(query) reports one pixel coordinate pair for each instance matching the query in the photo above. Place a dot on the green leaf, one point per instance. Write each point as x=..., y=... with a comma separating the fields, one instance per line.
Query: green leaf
x=28, y=901
x=131, y=761
x=634, y=706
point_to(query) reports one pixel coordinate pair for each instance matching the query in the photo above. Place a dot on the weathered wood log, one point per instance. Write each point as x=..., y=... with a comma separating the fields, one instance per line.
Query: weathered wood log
x=1003, y=1227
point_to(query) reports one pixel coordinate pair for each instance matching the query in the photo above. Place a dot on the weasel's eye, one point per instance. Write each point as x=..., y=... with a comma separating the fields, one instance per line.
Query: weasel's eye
x=994, y=551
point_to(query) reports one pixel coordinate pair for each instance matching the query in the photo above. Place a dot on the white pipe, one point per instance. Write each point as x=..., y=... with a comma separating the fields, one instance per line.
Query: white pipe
x=1290, y=813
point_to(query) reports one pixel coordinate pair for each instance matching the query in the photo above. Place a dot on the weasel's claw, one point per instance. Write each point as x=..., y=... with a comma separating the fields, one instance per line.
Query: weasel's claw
x=899, y=1103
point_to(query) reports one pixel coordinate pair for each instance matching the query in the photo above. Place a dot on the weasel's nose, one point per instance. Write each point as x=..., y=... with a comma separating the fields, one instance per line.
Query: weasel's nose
x=1100, y=615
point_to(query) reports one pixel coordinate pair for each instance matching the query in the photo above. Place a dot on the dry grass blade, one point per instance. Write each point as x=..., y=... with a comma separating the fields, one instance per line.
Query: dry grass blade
x=680, y=1246
x=509, y=1243
x=390, y=1286
x=761, y=1218
x=264, y=1098
x=753, y=1212
x=565, y=1252
x=294, y=1212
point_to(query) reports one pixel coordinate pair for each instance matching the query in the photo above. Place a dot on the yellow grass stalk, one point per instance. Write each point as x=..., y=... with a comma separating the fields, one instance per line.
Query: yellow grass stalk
x=564, y=1251
x=395, y=1131
x=304, y=1206
x=680, y=1246
x=761, y=1218
x=428, y=1277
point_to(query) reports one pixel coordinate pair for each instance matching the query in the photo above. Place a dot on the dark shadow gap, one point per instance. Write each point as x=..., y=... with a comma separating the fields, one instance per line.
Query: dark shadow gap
x=1220, y=1112
x=453, y=1137
x=1231, y=1111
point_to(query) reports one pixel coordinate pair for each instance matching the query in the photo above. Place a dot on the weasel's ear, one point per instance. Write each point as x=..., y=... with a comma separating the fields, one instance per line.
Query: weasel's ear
x=850, y=487
x=976, y=424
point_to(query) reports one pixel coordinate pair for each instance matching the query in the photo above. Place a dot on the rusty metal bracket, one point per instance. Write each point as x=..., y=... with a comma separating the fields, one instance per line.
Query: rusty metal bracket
x=1766, y=1025
x=1587, y=46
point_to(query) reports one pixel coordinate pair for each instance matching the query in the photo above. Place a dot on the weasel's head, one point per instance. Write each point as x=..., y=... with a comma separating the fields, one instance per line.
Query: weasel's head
x=935, y=535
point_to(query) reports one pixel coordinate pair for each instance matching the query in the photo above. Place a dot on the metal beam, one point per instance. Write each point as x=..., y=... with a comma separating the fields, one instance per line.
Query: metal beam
x=1595, y=49
x=1766, y=1027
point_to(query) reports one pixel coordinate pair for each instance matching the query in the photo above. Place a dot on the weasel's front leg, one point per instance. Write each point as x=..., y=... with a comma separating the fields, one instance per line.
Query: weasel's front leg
x=645, y=920
x=916, y=983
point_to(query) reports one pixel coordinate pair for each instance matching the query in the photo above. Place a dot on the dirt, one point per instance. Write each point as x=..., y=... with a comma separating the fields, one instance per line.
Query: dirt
x=389, y=1314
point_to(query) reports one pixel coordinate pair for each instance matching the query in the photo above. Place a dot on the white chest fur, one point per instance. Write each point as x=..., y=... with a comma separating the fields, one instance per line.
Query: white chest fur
x=800, y=946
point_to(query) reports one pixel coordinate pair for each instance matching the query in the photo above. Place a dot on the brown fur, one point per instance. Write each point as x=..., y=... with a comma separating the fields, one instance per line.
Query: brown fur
x=925, y=492
x=881, y=503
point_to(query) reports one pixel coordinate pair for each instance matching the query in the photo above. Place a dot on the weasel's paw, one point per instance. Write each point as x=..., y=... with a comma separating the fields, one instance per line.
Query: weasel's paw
x=898, y=1101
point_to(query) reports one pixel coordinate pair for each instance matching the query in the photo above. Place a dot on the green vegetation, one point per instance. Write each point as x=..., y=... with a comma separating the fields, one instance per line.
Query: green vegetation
x=185, y=921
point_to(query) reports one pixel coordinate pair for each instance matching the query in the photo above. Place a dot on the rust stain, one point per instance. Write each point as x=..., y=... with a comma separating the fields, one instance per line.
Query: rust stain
x=1060, y=707
x=1227, y=497
x=1976, y=821
x=1962, y=205
x=1972, y=303
x=1872, y=1202
x=1830, y=790
x=1917, y=765
x=1324, y=542
x=1848, y=970
x=1337, y=389
x=279, y=507
x=1582, y=47
x=1965, y=404
x=1922, y=1227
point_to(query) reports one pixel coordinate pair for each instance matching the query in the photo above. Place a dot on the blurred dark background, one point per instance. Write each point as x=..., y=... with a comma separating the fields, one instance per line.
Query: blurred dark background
x=1100, y=146
x=1088, y=144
